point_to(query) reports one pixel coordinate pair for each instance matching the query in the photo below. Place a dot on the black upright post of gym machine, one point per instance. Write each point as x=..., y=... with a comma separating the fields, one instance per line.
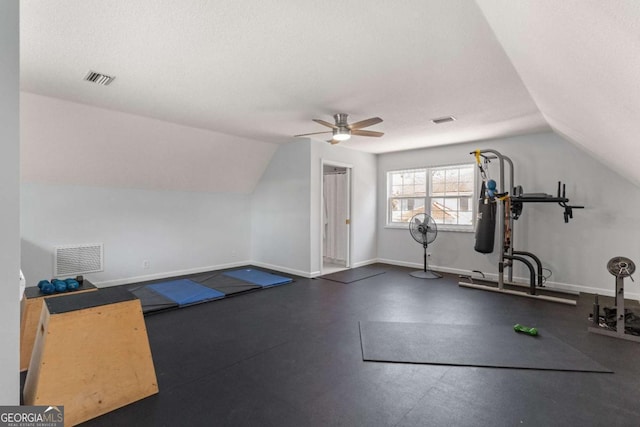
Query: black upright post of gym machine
x=532, y=274
x=538, y=263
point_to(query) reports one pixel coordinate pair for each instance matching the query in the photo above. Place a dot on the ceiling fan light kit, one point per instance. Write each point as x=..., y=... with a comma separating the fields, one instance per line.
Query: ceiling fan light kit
x=342, y=130
x=341, y=134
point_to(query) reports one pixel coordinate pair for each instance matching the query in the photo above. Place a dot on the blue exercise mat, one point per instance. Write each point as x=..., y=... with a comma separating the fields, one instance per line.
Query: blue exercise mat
x=258, y=277
x=185, y=292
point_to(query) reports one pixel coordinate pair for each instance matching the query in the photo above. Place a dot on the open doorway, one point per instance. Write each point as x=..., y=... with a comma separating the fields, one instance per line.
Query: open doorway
x=336, y=211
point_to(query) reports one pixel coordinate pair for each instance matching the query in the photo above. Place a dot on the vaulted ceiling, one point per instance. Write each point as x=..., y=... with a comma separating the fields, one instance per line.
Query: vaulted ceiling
x=262, y=70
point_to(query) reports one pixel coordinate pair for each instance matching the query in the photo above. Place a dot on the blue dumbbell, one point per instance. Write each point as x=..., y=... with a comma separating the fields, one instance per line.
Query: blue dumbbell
x=59, y=285
x=72, y=284
x=48, y=288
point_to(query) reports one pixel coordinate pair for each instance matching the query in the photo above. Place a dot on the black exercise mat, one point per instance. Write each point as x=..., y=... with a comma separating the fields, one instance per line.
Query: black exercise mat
x=470, y=345
x=354, y=274
x=150, y=300
x=225, y=284
x=84, y=300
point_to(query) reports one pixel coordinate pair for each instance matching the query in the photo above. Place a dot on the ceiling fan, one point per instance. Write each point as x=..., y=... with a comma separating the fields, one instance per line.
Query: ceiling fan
x=342, y=129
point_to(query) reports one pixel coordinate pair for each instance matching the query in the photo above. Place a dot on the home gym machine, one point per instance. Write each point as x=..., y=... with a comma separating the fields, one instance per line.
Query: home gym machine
x=503, y=209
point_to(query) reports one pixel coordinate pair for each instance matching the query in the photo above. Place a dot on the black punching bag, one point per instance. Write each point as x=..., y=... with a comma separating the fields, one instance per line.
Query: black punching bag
x=486, y=224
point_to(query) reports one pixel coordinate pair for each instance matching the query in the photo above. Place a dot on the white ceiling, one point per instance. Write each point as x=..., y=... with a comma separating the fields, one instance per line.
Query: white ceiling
x=262, y=69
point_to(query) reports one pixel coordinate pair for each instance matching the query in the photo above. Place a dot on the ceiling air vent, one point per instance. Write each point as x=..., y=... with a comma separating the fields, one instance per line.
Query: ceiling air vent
x=443, y=120
x=101, y=79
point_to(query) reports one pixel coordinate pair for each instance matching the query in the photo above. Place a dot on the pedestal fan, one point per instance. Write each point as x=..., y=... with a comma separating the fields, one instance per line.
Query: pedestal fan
x=424, y=230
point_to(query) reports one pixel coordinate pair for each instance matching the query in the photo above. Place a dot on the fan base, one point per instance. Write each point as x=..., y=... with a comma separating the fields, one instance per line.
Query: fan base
x=425, y=274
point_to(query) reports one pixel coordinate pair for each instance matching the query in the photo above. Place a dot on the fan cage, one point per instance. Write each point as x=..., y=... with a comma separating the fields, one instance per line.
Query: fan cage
x=416, y=224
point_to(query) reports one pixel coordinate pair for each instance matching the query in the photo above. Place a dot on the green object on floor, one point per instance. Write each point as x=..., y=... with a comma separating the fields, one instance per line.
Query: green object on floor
x=525, y=330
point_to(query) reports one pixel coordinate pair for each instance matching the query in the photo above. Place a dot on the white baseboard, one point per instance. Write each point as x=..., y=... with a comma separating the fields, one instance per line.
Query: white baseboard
x=420, y=266
x=494, y=276
x=363, y=263
x=399, y=263
x=168, y=274
x=285, y=269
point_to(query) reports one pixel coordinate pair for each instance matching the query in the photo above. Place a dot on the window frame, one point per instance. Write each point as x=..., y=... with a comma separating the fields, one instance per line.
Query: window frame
x=428, y=196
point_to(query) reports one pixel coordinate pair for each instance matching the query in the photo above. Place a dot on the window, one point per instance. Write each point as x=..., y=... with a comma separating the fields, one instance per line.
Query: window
x=407, y=190
x=444, y=193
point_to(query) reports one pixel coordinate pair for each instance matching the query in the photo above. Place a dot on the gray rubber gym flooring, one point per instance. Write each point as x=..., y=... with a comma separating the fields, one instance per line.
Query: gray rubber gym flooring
x=355, y=274
x=489, y=346
x=291, y=356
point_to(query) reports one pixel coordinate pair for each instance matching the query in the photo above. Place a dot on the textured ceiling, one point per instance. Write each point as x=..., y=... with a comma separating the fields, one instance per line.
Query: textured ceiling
x=580, y=60
x=263, y=69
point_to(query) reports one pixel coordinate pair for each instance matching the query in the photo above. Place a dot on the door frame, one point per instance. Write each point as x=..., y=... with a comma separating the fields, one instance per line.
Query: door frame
x=349, y=236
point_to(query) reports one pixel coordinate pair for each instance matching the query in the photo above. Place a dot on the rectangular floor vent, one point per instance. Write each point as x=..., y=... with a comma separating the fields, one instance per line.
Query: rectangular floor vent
x=79, y=259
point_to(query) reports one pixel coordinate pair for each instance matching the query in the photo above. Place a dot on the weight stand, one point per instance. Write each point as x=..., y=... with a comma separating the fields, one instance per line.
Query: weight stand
x=620, y=317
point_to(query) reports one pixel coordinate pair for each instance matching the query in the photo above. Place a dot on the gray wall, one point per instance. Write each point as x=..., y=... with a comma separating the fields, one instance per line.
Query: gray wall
x=577, y=252
x=177, y=232
x=9, y=200
x=280, y=211
x=286, y=213
x=64, y=142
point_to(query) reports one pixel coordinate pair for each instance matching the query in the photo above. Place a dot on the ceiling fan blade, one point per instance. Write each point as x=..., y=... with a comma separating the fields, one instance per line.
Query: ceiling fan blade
x=333, y=141
x=327, y=124
x=364, y=123
x=314, y=133
x=366, y=133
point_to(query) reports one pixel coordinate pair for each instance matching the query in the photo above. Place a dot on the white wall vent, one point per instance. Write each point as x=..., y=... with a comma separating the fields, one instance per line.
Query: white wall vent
x=78, y=259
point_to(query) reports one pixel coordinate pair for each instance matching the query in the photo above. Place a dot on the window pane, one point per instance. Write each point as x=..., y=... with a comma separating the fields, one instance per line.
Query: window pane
x=466, y=180
x=403, y=209
x=438, y=189
x=437, y=182
x=465, y=218
x=451, y=175
x=408, y=190
x=408, y=183
x=452, y=210
x=465, y=204
x=451, y=182
x=451, y=205
x=437, y=209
